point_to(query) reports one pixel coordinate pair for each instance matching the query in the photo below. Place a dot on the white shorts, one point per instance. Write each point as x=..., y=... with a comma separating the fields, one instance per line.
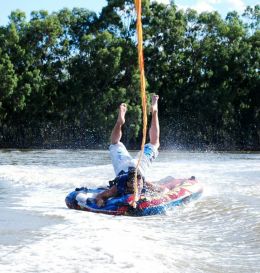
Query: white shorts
x=122, y=160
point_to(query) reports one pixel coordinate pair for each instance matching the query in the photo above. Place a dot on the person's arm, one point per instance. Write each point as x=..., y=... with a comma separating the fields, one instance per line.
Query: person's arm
x=103, y=196
x=151, y=187
x=155, y=188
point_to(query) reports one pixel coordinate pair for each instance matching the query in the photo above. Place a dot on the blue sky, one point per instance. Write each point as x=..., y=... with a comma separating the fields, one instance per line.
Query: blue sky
x=222, y=6
x=6, y=6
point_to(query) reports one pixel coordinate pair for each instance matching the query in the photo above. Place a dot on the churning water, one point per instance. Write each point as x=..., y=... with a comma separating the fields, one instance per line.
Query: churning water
x=218, y=233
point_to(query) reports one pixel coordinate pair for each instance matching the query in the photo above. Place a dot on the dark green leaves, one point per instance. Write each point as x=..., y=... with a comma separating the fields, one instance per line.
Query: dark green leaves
x=63, y=75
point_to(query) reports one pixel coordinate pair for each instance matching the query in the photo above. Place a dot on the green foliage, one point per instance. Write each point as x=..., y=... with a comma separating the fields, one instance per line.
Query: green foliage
x=64, y=74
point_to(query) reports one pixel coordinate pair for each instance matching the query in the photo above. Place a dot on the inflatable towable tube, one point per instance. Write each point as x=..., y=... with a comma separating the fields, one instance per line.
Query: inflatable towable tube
x=179, y=191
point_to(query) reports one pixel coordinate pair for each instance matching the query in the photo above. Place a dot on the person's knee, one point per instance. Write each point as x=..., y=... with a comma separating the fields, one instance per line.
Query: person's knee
x=114, y=146
x=156, y=144
x=151, y=149
x=114, y=142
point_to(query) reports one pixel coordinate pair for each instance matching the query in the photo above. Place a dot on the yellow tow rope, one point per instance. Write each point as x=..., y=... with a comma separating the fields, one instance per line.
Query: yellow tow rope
x=139, y=31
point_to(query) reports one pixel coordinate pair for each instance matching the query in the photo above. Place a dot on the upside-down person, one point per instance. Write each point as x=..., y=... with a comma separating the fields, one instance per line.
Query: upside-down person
x=123, y=163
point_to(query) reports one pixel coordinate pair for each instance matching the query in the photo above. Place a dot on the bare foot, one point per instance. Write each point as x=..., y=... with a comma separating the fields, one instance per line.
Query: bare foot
x=154, y=105
x=121, y=113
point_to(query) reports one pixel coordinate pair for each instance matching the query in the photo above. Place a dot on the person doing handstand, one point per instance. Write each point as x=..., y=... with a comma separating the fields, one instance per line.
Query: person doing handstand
x=123, y=163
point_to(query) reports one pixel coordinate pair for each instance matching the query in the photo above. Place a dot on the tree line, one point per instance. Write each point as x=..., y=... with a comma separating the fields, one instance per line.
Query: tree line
x=63, y=75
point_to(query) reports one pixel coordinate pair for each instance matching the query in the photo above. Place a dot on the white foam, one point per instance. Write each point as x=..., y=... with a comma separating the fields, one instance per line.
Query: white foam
x=55, y=176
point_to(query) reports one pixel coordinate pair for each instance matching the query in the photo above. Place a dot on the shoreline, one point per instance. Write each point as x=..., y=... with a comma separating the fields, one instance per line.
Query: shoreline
x=105, y=148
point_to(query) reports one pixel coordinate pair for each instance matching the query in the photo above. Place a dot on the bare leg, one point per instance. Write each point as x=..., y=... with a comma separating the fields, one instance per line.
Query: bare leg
x=154, y=131
x=117, y=130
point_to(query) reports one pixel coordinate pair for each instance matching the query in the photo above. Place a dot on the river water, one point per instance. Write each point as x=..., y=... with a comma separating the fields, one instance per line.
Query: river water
x=220, y=232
